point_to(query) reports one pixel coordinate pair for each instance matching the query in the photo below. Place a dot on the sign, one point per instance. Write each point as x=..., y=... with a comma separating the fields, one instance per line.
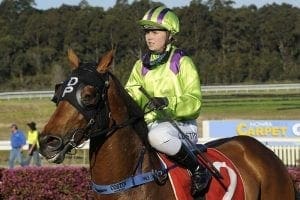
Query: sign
x=256, y=128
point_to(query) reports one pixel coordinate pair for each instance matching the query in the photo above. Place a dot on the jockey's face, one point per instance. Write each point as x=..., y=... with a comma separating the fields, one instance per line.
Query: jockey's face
x=156, y=40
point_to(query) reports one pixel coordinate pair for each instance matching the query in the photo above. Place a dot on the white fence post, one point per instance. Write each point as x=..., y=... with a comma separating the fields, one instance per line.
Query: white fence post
x=290, y=155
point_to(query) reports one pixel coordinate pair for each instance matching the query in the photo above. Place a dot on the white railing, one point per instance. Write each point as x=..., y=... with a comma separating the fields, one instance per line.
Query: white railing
x=26, y=95
x=5, y=145
x=290, y=155
x=251, y=89
x=206, y=89
x=245, y=89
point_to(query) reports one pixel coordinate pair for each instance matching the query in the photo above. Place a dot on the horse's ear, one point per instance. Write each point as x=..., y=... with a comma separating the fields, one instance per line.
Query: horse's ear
x=74, y=60
x=105, y=62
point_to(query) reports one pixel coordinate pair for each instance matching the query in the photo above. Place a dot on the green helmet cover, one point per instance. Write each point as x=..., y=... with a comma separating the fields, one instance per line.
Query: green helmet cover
x=161, y=17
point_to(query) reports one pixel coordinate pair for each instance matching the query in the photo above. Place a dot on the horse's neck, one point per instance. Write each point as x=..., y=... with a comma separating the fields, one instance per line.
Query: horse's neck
x=121, y=101
x=117, y=156
x=123, y=108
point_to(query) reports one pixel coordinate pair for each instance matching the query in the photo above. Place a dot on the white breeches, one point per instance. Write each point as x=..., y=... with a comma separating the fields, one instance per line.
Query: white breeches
x=165, y=138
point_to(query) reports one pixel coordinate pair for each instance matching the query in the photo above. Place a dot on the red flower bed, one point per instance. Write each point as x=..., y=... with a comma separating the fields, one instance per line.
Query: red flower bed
x=295, y=174
x=68, y=183
x=35, y=183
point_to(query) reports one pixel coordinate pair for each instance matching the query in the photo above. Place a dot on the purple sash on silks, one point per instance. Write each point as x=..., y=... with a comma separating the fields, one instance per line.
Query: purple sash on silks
x=174, y=62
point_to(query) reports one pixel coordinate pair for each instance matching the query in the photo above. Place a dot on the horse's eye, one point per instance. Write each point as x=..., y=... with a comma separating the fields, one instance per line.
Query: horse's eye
x=89, y=97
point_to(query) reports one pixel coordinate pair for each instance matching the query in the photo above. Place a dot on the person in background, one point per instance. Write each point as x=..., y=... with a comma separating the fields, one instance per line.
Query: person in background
x=17, y=141
x=32, y=140
x=170, y=77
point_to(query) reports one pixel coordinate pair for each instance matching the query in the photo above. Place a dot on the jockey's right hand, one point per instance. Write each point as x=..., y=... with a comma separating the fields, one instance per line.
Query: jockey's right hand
x=158, y=103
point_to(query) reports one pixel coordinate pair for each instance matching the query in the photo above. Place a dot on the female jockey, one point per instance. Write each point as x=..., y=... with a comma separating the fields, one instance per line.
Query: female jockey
x=171, y=78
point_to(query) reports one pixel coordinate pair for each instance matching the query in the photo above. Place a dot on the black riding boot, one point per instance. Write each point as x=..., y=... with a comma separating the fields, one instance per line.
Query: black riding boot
x=200, y=175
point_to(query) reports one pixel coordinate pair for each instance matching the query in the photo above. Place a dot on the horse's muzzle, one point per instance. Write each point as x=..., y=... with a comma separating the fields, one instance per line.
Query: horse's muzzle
x=52, y=148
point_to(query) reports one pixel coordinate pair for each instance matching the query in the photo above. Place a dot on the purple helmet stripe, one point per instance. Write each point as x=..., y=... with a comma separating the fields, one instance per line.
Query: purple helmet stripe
x=150, y=13
x=162, y=14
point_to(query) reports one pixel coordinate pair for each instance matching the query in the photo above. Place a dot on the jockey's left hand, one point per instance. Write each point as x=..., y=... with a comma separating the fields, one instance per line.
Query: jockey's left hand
x=158, y=103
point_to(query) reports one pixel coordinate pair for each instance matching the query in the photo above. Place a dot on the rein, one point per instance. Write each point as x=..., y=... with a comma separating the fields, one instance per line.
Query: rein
x=113, y=128
x=87, y=75
x=108, y=131
x=138, y=178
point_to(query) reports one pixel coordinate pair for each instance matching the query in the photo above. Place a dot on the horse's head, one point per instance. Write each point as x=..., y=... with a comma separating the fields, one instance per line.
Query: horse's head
x=81, y=100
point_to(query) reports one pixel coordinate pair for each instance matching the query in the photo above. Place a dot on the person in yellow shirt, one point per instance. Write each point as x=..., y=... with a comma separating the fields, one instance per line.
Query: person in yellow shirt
x=32, y=139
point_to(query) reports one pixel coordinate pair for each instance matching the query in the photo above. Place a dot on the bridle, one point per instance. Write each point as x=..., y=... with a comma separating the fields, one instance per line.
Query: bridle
x=100, y=122
x=99, y=118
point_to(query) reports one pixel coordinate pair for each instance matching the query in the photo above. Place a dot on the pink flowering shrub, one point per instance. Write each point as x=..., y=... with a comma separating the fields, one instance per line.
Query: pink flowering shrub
x=295, y=174
x=1, y=188
x=35, y=183
x=68, y=183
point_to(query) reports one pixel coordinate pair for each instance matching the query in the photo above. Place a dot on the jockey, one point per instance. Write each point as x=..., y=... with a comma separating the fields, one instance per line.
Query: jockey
x=171, y=78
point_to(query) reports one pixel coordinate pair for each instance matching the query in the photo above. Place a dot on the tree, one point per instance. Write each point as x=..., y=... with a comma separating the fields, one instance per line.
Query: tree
x=278, y=35
x=228, y=45
x=84, y=4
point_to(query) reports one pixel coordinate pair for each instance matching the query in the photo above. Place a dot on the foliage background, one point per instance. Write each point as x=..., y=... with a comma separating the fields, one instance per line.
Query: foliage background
x=229, y=45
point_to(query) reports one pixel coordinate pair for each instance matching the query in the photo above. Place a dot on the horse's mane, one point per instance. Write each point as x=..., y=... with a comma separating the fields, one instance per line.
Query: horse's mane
x=134, y=111
x=133, y=108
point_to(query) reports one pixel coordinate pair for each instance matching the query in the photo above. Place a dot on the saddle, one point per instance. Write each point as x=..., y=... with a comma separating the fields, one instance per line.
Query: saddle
x=229, y=187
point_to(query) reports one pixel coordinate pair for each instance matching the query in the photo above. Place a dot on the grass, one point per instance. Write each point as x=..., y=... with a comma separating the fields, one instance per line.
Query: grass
x=23, y=111
x=271, y=107
x=268, y=106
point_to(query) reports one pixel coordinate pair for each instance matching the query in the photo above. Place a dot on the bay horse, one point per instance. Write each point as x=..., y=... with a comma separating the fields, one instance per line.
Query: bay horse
x=92, y=104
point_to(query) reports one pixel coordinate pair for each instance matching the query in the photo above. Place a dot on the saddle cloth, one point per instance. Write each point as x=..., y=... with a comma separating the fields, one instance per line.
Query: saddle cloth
x=181, y=180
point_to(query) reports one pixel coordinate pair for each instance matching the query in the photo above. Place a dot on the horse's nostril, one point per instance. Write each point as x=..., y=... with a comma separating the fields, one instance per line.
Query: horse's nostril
x=51, y=142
